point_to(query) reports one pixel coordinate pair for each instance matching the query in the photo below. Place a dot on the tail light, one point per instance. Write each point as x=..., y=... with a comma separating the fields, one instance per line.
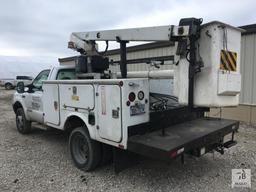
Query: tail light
x=177, y=152
x=174, y=154
x=132, y=97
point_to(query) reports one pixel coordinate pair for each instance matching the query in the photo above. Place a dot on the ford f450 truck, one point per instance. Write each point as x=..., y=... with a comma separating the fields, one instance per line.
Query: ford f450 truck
x=115, y=115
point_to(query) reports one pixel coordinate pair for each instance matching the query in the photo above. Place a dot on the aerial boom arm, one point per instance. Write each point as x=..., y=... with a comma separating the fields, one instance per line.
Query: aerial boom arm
x=187, y=33
x=86, y=40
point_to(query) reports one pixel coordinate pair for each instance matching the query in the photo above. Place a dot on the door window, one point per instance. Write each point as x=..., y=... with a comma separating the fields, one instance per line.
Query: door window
x=38, y=81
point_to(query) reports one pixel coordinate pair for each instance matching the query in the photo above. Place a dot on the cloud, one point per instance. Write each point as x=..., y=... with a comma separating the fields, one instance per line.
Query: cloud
x=235, y=13
x=11, y=66
x=42, y=27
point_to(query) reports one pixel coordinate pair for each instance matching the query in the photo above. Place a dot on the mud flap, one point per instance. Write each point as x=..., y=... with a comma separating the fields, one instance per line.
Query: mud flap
x=124, y=159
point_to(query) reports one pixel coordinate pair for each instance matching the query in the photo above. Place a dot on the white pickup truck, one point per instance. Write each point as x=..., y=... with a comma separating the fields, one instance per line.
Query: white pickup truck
x=11, y=83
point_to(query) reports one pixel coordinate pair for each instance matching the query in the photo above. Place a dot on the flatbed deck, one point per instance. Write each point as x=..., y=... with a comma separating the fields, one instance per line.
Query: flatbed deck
x=185, y=137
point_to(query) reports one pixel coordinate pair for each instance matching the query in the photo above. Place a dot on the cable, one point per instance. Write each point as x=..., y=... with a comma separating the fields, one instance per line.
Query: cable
x=161, y=102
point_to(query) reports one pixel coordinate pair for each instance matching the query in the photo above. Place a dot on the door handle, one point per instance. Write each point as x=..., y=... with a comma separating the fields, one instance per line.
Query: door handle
x=55, y=105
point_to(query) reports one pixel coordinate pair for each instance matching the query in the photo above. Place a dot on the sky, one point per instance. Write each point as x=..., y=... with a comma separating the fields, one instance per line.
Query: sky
x=41, y=28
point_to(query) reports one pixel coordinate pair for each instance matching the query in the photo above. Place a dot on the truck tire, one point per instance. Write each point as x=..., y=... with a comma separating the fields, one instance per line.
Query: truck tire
x=85, y=152
x=8, y=86
x=22, y=124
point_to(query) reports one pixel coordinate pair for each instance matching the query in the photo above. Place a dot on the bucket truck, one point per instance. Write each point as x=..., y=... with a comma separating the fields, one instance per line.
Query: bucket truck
x=116, y=115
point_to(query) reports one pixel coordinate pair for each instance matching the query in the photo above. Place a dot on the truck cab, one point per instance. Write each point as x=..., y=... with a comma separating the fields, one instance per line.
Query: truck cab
x=31, y=99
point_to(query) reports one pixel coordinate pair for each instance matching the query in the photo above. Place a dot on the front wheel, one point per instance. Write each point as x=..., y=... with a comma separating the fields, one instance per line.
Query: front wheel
x=22, y=124
x=85, y=152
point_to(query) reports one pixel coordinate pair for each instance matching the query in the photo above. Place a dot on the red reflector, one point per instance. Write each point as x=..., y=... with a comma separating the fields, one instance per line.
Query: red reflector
x=128, y=103
x=121, y=83
x=173, y=154
x=121, y=146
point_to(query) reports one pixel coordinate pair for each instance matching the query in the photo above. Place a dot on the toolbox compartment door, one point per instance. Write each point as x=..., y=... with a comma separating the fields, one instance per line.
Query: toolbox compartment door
x=51, y=104
x=77, y=96
x=109, y=112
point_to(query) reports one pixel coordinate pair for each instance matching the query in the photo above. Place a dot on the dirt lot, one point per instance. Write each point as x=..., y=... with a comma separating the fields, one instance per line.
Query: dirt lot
x=40, y=162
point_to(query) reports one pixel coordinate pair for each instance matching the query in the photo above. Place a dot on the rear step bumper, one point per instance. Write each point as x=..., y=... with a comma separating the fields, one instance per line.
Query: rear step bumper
x=229, y=144
x=195, y=137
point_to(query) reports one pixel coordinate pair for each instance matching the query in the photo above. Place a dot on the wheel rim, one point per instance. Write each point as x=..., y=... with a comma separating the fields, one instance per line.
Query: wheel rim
x=80, y=148
x=20, y=121
x=8, y=86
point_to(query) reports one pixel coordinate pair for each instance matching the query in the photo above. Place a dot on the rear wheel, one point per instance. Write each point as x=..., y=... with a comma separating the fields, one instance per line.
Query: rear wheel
x=8, y=86
x=22, y=124
x=85, y=152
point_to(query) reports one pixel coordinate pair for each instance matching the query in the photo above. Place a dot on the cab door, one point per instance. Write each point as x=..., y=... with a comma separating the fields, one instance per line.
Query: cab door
x=33, y=98
x=109, y=112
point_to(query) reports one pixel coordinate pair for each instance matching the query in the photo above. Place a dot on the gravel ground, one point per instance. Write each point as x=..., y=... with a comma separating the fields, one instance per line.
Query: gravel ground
x=40, y=162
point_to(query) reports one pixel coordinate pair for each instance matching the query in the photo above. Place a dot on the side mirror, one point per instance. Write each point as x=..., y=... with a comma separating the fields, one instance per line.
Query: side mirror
x=20, y=87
